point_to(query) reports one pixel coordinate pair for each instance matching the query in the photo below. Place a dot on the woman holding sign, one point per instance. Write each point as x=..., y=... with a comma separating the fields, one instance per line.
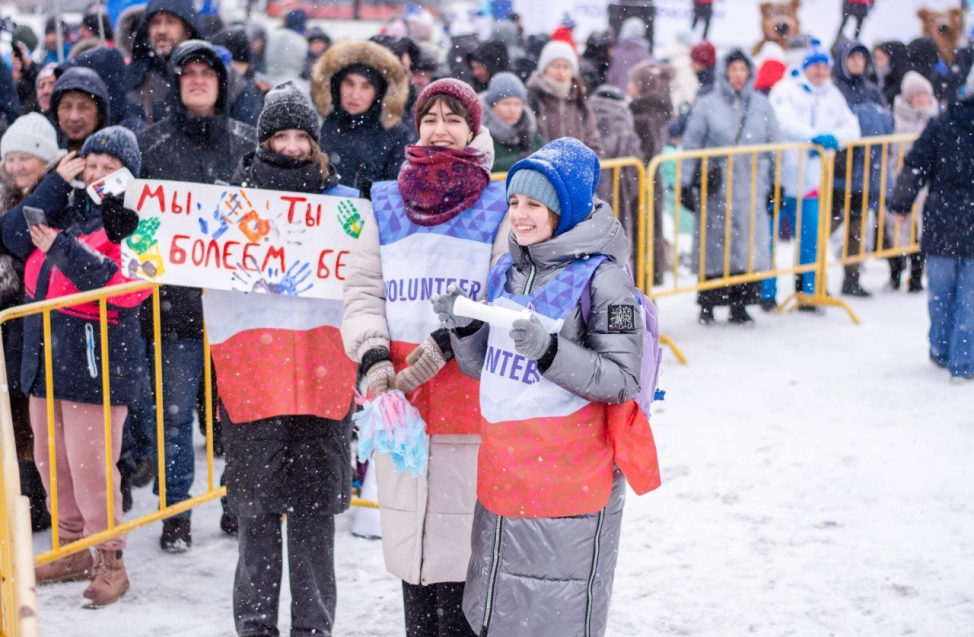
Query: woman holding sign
x=71, y=246
x=439, y=224
x=285, y=391
x=556, y=396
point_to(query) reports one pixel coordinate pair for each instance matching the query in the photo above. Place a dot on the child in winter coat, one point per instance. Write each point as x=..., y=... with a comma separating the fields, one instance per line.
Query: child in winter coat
x=287, y=441
x=912, y=109
x=550, y=497
x=78, y=250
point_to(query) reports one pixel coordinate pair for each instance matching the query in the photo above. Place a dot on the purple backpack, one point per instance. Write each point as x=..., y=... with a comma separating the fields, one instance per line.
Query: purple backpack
x=652, y=351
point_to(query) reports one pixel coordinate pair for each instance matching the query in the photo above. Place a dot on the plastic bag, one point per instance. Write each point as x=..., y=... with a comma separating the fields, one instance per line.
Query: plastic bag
x=390, y=424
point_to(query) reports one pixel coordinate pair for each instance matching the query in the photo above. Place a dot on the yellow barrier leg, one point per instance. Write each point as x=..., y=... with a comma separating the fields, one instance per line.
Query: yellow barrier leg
x=666, y=340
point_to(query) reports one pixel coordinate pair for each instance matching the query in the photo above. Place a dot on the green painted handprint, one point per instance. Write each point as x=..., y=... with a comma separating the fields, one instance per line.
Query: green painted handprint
x=144, y=237
x=350, y=219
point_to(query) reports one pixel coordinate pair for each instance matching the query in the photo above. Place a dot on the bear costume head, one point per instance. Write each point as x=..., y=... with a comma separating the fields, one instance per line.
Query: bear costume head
x=779, y=23
x=946, y=28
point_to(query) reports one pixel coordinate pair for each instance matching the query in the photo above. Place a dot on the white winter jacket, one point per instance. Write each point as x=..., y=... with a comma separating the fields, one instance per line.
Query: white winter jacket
x=805, y=111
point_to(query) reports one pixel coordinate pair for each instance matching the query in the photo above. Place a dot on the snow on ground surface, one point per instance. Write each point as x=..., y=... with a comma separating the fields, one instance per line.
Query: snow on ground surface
x=817, y=480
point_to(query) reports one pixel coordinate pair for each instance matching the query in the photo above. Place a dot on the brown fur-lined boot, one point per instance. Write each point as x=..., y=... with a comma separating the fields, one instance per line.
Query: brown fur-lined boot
x=110, y=581
x=73, y=568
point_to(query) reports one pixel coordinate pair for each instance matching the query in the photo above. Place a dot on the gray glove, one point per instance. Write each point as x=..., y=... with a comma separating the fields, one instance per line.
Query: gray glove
x=443, y=306
x=531, y=339
x=424, y=362
x=381, y=377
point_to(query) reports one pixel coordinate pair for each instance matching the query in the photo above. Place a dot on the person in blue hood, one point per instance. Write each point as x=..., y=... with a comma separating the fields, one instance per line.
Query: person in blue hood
x=79, y=106
x=868, y=103
x=109, y=64
x=165, y=25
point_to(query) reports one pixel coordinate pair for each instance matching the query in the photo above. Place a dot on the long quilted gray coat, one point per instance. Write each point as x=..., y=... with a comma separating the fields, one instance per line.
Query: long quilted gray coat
x=714, y=123
x=553, y=576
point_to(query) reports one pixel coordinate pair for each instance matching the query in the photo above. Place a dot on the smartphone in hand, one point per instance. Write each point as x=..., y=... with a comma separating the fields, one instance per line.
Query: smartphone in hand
x=34, y=216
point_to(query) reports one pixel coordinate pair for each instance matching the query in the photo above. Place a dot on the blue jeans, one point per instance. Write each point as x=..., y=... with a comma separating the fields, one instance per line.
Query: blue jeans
x=951, y=287
x=182, y=371
x=808, y=250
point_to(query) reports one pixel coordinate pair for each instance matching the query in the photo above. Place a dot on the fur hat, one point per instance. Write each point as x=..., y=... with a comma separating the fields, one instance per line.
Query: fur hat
x=557, y=50
x=117, y=141
x=32, y=134
x=345, y=54
x=286, y=107
x=459, y=90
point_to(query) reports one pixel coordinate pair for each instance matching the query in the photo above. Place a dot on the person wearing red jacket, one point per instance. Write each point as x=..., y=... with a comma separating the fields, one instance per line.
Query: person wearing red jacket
x=78, y=250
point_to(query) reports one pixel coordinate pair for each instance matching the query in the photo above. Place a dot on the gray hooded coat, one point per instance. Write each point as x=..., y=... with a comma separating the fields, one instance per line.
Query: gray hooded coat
x=728, y=118
x=553, y=576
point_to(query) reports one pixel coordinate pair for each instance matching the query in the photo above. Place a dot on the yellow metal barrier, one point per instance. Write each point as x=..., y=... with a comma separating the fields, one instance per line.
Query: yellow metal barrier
x=855, y=219
x=699, y=282
x=18, y=599
x=643, y=194
x=854, y=245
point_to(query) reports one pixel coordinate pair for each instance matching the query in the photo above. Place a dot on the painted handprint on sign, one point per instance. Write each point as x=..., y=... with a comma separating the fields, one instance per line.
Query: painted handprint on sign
x=350, y=218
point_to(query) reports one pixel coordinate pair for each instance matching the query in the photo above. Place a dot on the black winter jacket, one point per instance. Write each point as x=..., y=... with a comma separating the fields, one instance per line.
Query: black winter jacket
x=362, y=150
x=202, y=150
x=146, y=63
x=943, y=159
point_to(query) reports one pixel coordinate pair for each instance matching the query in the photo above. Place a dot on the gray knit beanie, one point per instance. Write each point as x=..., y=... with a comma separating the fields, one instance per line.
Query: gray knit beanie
x=119, y=142
x=287, y=107
x=504, y=85
x=534, y=184
x=32, y=134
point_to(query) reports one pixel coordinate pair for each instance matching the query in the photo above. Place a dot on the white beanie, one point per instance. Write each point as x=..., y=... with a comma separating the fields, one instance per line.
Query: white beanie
x=557, y=50
x=32, y=134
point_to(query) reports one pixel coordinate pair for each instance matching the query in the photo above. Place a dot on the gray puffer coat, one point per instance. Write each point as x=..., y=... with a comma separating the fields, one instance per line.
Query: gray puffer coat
x=553, y=576
x=714, y=123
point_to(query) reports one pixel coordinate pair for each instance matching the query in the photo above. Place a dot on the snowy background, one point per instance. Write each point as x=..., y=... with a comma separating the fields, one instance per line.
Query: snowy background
x=818, y=479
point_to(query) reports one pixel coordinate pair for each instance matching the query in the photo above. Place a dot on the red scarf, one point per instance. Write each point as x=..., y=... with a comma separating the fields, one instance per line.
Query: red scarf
x=437, y=184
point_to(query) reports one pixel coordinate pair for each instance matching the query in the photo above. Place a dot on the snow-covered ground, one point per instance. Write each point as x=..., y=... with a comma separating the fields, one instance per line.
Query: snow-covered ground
x=818, y=480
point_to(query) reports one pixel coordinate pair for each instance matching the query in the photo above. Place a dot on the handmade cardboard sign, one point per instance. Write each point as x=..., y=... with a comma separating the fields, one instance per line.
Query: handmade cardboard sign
x=244, y=239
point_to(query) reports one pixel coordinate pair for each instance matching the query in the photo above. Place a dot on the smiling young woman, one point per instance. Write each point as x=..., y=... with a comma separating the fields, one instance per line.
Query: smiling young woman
x=442, y=218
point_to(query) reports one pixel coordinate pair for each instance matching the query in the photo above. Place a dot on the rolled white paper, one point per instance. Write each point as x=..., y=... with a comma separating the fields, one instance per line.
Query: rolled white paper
x=501, y=317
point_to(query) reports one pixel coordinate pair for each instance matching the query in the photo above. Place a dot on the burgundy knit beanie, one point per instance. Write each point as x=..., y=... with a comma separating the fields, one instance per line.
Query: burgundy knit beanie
x=704, y=54
x=461, y=91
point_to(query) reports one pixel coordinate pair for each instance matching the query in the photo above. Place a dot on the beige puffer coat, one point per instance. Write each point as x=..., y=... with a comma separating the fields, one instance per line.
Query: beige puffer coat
x=426, y=521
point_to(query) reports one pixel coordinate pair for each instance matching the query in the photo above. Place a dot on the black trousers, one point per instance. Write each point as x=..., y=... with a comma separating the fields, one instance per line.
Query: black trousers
x=435, y=610
x=311, y=563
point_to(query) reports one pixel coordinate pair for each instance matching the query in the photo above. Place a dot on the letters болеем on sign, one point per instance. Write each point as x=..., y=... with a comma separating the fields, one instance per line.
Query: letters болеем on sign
x=243, y=239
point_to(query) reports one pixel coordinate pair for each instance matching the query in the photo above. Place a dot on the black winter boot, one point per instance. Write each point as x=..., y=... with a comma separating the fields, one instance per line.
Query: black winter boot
x=32, y=487
x=739, y=316
x=176, y=535
x=851, y=287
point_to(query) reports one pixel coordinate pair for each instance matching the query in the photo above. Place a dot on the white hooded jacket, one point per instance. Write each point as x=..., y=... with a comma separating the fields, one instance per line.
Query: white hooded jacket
x=805, y=111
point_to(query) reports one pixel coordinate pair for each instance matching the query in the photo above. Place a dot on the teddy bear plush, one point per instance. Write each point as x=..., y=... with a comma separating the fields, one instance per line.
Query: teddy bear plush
x=779, y=23
x=946, y=28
